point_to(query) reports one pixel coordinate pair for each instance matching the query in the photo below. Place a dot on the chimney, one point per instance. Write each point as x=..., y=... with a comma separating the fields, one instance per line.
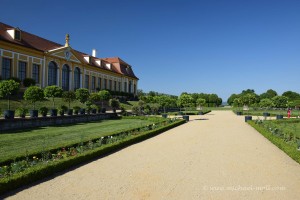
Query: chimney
x=94, y=53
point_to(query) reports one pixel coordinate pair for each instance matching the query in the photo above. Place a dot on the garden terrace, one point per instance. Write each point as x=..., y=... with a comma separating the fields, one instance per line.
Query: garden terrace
x=31, y=167
x=31, y=141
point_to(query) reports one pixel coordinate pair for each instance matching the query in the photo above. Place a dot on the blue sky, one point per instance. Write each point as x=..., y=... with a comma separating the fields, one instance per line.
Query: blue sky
x=174, y=46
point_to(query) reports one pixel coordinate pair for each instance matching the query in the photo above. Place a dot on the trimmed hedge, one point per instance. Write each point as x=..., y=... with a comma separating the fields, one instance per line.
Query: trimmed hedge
x=289, y=149
x=41, y=171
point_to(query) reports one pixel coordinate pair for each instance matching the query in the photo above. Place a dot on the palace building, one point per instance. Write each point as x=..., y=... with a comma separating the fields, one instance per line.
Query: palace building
x=24, y=55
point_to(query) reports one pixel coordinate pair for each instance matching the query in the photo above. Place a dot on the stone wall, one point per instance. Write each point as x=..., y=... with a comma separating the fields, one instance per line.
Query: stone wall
x=23, y=123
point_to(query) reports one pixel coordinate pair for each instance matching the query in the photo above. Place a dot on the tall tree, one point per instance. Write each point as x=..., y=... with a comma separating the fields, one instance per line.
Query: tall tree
x=291, y=95
x=269, y=94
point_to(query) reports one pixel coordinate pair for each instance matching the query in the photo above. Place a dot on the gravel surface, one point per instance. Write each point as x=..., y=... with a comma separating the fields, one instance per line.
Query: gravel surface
x=215, y=156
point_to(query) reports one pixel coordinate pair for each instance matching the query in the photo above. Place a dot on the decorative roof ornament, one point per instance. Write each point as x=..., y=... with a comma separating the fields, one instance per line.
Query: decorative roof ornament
x=67, y=40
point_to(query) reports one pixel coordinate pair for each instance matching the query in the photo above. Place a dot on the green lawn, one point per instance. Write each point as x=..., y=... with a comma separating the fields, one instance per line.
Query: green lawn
x=285, y=126
x=15, y=144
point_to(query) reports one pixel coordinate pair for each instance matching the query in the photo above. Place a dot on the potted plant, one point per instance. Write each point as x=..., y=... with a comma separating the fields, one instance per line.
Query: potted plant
x=82, y=95
x=44, y=111
x=266, y=104
x=76, y=110
x=280, y=102
x=69, y=96
x=52, y=92
x=104, y=96
x=237, y=104
x=7, y=89
x=247, y=100
x=21, y=112
x=114, y=103
x=88, y=107
x=62, y=110
x=94, y=109
x=186, y=101
x=98, y=108
x=34, y=94
x=201, y=102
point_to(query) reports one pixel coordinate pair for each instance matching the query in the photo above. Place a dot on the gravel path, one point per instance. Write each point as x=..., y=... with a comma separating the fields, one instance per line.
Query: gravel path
x=217, y=157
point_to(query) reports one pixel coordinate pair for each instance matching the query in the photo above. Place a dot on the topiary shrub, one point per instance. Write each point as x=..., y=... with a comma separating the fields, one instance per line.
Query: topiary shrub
x=34, y=94
x=52, y=92
x=8, y=88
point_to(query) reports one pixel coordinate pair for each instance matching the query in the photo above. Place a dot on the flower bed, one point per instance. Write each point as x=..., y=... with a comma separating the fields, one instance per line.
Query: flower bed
x=34, y=168
x=281, y=136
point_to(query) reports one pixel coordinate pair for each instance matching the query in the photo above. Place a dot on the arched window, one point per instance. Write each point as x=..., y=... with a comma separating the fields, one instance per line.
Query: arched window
x=65, y=77
x=52, y=73
x=76, y=78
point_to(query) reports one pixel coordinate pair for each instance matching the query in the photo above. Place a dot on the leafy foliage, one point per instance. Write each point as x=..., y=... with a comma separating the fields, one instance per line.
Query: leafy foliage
x=269, y=94
x=27, y=82
x=280, y=101
x=266, y=103
x=69, y=96
x=8, y=88
x=185, y=100
x=114, y=103
x=82, y=95
x=34, y=94
x=201, y=102
x=52, y=92
x=104, y=95
x=291, y=95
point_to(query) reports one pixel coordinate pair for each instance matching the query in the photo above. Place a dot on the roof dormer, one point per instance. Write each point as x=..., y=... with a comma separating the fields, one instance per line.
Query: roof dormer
x=128, y=69
x=88, y=59
x=98, y=62
x=15, y=33
x=108, y=65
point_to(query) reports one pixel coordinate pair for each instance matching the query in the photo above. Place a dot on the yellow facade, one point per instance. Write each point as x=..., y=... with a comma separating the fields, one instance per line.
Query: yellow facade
x=16, y=53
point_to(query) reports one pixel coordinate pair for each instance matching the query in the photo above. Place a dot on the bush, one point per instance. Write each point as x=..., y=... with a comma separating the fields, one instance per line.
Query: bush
x=114, y=103
x=82, y=95
x=44, y=111
x=52, y=92
x=69, y=96
x=27, y=82
x=63, y=108
x=15, y=79
x=8, y=88
x=76, y=108
x=34, y=94
x=21, y=112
